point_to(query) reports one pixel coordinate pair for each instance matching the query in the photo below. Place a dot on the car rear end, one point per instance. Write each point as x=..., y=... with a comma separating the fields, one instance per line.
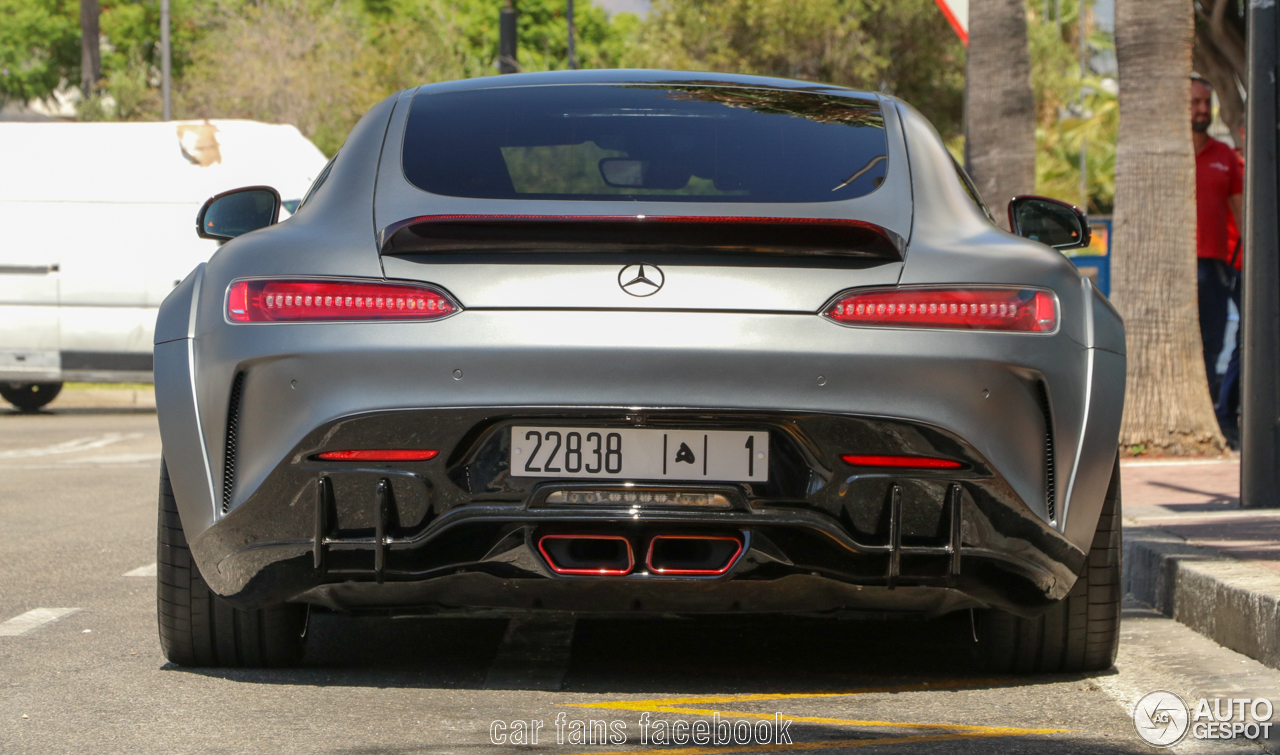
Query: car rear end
x=638, y=346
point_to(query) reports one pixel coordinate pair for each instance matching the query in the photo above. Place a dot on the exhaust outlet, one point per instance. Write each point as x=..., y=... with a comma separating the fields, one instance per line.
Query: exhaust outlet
x=602, y=555
x=698, y=555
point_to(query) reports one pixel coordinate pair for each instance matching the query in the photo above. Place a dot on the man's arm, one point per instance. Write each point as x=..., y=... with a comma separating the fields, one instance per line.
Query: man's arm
x=1236, y=201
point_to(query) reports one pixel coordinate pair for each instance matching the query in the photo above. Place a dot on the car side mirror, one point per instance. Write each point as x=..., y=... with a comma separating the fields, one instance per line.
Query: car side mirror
x=1052, y=223
x=237, y=212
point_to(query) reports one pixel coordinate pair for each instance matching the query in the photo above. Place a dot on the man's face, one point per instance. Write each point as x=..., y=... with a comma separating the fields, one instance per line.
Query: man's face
x=1201, y=107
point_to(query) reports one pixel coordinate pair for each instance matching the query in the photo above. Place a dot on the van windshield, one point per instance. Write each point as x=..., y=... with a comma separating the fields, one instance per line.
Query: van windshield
x=686, y=142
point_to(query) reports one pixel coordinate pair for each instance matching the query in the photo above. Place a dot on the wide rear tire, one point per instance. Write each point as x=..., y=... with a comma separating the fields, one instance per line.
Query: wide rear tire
x=1081, y=632
x=197, y=628
x=30, y=397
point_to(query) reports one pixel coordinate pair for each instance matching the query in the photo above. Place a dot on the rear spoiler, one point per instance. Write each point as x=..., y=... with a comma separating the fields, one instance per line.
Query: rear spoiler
x=754, y=236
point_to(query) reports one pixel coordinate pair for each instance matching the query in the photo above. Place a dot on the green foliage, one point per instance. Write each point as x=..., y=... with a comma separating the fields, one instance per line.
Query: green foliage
x=544, y=33
x=39, y=44
x=903, y=47
x=40, y=51
x=1062, y=126
x=321, y=63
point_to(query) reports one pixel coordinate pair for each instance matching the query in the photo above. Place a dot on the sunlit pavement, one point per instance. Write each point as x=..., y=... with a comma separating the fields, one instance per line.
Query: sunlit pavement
x=77, y=515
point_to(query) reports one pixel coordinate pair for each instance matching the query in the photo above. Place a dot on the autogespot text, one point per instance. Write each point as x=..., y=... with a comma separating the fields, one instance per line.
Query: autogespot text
x=1219, y=723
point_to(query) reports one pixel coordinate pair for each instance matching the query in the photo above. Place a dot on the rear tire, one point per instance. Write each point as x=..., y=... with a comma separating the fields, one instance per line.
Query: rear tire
x=30, y=397
x=1081, y=632
x=197, y=628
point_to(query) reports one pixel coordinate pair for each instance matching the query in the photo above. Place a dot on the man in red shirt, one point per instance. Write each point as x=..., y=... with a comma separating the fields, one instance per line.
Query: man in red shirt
x=1219, y=196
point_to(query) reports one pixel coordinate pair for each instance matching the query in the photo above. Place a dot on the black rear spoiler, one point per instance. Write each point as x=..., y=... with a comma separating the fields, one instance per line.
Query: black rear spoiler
x=734, y=235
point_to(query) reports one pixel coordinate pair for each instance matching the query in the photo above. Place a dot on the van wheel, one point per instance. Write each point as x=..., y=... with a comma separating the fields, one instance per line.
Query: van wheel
x=197, y=628
x=28, y=397
x=1081, y=632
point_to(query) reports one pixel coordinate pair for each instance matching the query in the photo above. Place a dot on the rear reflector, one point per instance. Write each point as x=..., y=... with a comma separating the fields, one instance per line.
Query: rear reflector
x=380, y=454
x=1012, y=309
x=902, y=462
x=319, y=300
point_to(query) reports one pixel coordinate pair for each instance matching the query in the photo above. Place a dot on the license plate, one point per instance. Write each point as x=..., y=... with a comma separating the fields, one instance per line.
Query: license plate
x=640, y=454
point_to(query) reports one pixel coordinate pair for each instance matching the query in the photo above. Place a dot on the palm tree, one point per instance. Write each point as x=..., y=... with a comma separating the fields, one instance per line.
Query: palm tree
x=1153, y=279
x=1000, y=108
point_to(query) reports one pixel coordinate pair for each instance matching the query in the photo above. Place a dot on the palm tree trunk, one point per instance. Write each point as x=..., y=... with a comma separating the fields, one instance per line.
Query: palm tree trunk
x=1153, y=279
x=90, y=53
x=1000, y=108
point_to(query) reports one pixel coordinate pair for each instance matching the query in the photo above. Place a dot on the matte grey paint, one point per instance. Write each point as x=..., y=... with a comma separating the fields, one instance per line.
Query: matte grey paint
x=742, y=338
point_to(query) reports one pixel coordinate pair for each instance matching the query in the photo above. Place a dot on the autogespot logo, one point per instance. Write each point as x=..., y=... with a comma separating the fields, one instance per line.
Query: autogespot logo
x=1161, y=719
x=641, y=280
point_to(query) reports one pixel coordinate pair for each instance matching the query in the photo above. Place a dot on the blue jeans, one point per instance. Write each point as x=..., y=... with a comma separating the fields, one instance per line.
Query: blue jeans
x=1227, y=405
x=1215, y=282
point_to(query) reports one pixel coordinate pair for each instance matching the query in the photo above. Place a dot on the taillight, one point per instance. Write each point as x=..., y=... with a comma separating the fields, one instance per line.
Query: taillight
x=1026, y=310
x=319, y=300
x=380, y=454
x=899, y=462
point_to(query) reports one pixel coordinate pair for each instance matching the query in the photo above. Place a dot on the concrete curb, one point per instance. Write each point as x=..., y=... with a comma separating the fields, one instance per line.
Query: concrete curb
x=1233, y=602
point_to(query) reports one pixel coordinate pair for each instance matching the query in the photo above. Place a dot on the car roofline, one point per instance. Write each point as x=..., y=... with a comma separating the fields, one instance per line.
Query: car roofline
x=641, y=76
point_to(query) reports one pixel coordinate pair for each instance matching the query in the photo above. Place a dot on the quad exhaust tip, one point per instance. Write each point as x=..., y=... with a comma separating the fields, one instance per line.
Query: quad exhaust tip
x=667, y=555
x=692, y=555
x=602, y=555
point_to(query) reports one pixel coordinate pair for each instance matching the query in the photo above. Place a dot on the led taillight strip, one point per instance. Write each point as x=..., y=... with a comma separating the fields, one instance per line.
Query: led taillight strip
x=321, y=300
x=899, y=462
x=380, y=454
x=1026, y=310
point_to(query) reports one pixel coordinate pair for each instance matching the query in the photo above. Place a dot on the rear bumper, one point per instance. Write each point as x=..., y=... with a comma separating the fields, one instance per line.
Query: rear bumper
x=460, y=533
x=1034, y=417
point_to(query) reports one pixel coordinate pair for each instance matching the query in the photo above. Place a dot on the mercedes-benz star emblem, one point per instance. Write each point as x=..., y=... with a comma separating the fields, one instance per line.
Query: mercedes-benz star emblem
x=641, y=280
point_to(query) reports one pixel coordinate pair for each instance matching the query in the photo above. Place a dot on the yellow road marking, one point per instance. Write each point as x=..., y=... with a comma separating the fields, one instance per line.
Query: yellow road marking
x=960, y=731
x=944, y=684
x=830, y=744
x=989, y=730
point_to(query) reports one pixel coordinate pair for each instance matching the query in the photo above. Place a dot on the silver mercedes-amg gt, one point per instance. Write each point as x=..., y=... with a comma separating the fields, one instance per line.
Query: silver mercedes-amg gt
x=637, y=343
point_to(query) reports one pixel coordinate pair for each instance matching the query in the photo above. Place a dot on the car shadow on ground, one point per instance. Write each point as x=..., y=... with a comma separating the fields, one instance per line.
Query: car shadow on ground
x=722, y=655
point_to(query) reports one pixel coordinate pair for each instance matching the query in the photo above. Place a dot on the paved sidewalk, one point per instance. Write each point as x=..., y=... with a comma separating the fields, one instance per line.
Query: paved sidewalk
x=1195, y=555
x=1200, y=501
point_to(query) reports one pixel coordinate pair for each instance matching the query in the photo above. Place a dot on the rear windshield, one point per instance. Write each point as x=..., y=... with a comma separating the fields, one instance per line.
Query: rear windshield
x=664, y=143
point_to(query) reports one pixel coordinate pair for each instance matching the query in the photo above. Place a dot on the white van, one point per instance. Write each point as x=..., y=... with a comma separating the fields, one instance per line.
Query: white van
x=97, y=226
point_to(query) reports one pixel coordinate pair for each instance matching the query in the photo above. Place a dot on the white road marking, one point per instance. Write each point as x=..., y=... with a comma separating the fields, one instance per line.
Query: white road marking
x=142, y=571
x=1158, y=653
x=33, y=619
x=115, y=459
x=70, y=446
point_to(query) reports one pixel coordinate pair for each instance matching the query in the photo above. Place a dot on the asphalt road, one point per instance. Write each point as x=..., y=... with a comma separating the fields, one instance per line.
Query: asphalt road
x=77, y=527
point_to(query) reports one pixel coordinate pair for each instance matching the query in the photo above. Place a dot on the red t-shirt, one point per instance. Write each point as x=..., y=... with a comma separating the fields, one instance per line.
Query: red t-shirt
x=1218, y=176
x=1235, y=245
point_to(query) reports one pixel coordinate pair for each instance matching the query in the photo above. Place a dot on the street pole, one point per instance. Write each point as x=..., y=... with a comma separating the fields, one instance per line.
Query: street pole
x=1260, y=359
x=573, y=58
x=507, y=40
x=166, y=58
